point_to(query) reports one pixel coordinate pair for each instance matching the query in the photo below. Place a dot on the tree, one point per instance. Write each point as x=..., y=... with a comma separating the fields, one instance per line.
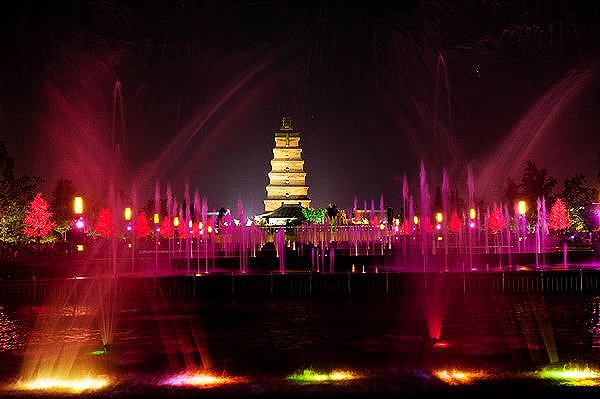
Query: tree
x=578, y=197
x=61, y=205
x=536, y=183
x=496, y=221
x=455, y=223
x=141, y=226
x=558, y=219
x=104, y=223
x=511, y=192
x=166, y=231
x=15, y=196
x=37, y=220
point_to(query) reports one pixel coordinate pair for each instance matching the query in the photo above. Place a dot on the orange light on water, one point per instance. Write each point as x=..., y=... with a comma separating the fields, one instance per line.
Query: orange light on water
x=416, y=220
x=459, y=377
x=176, y=221
x=201, y=380
x=74, y=385
x=156, y=218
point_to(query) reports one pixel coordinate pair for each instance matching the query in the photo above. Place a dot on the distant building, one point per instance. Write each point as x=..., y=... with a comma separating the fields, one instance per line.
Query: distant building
x=287, y=179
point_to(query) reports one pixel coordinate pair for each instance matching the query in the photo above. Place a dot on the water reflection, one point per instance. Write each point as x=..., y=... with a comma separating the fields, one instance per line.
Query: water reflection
x=11, y=337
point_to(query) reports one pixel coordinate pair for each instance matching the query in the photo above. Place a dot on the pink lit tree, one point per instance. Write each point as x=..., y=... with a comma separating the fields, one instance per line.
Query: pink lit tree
x=141, y=226
x=558, y=219
x=104, y=223
x=38, y=223
x=455, y=223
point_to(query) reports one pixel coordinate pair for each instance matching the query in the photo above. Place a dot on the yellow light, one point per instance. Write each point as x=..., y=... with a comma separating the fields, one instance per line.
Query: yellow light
x=63, y=384
x=459, y=377
x=79, y=248
x=190, y=224
x=416, y=220
x=176, y=221
x=127, y=214
x=439, y=217
x=472, y=214
x=397, y=222
x=381, y=226
x=522, y=207
x=78, y=205
x=201, y=380
x=210, y=229
x=440, y=238
x=200, y=225
x=156, y=218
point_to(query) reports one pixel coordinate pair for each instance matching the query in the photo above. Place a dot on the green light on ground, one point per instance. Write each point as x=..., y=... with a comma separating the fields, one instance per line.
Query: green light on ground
x=571, y=375
x=308, y=376
x=99, y=352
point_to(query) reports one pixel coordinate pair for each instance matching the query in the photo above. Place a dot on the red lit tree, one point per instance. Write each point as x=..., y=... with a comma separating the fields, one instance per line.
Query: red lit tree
x=405, y=227
x=141, y=226
x=558, y=219
x=104, y=223
x=183, y=229
x=166, y=231
x=455, y=223
x=37, y=220
x=496, y=221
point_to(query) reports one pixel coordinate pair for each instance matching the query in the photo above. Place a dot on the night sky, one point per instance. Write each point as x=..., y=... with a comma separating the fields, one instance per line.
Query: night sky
x=374, y=89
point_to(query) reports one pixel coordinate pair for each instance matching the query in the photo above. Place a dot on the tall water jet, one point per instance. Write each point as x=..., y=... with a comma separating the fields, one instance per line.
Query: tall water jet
x=425, y=213
x=445, y=207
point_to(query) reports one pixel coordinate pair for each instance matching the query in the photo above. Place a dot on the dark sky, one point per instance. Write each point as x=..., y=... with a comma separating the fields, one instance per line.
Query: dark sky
x=373, y=88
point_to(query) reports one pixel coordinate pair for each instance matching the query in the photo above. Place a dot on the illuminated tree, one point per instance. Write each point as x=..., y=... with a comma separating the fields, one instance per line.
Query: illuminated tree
x=455, y=223
x=166, y=231
x=496, y=221
x=37, y=220
x=141, y=226
x=104, y=223
x=558, y=219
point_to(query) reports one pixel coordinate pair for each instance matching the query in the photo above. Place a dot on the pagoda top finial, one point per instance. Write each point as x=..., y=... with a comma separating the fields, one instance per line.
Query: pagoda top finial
x=286, y=123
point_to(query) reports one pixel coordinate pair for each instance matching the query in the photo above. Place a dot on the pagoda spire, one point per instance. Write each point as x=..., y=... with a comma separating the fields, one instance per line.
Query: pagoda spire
x=287, y=179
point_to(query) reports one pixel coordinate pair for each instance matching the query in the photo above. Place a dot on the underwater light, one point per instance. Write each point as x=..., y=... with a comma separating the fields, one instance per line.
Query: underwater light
x=74, y=385
x=308, y=376
x=200, y=379
x=458, y=377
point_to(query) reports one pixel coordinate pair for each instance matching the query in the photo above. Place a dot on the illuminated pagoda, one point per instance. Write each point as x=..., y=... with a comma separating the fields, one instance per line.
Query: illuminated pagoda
x=287, y=179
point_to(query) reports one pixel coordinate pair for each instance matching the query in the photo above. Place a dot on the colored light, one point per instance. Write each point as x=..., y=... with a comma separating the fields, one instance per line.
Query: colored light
x=471, y=224
x=522, y=207
x=127, y=214
x=416, y=220
x=440, y=238
x=381, y=226
x=128, y=227
x=571, y=375
x=200, y=225
x=80, y=224
x=438, y=344
x=459, y=377
x=472, y=214
x=176, y=221
x=200, y=380
x=156, y=218
x=190, y=224
x=439, y=217
x=78, y=205
x=438, y=226
x=313, y=377
x=79, y=248
x=74, y=385
x=129, y=245
x=99, y=352
x=210, y=229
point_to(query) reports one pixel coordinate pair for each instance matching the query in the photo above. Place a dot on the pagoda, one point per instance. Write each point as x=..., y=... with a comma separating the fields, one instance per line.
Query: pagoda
x=287, y=179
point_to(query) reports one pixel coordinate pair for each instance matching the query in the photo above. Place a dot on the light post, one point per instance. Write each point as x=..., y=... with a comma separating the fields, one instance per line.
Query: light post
x=156, y=220
x=127, y=215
